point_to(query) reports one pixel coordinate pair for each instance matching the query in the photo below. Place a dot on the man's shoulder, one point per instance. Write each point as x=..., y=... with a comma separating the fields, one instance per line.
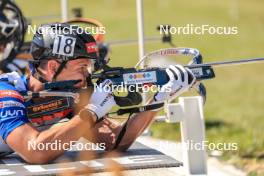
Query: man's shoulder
x=12, y=82
x=12, y=106
x=9, y=87
x=10, y=97
x=9, y=93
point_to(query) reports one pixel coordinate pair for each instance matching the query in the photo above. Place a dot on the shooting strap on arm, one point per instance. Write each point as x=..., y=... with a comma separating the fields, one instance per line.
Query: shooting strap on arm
x=131, y=111
x=140, y=109
x=122, y=133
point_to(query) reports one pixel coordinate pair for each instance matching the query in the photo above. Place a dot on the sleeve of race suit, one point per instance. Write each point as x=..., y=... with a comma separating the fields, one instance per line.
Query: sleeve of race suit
x=12, y=110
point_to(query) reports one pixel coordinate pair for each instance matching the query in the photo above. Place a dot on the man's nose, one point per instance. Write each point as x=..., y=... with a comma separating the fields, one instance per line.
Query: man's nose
x=85, y=71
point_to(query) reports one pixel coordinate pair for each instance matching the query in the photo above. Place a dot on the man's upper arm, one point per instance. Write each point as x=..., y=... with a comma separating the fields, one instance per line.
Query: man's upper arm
x=12, y=110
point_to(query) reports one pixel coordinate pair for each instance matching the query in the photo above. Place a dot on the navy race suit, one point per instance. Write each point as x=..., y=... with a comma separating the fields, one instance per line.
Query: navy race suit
x=15, y=111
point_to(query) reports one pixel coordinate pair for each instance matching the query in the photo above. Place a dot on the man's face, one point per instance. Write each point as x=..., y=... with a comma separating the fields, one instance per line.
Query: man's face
x=76, y=70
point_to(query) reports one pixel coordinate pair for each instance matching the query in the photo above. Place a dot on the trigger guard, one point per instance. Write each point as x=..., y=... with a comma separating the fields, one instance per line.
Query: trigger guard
x=133, y=98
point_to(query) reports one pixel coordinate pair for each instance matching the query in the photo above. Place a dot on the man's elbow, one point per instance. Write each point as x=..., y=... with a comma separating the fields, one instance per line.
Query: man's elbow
x=38, y=157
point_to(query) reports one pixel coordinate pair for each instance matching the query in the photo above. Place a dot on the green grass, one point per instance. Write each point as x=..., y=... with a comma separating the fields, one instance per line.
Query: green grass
x=234, y=109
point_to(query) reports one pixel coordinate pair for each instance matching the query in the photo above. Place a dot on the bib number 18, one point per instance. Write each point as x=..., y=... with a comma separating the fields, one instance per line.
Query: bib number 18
x=64, y=45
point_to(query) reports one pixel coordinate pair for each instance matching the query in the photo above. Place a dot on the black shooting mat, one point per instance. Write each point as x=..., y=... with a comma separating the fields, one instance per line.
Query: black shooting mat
x=138, y=156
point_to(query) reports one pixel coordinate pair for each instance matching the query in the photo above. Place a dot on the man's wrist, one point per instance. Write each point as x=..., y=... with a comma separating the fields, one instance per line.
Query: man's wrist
x=88, y=114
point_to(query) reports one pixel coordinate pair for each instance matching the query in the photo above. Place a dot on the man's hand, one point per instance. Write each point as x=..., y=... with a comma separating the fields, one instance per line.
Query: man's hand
x=102, y=100
x=181, y=79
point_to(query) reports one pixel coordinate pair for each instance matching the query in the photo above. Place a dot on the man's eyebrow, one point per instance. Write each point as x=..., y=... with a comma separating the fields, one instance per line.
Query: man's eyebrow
x=80, y=62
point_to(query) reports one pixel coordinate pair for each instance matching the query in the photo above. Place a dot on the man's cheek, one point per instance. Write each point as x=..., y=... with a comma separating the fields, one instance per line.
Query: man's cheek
x=80, y=84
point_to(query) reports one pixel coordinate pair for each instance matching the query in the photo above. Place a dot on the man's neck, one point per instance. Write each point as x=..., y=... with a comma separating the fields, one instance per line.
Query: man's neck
x=34, y=84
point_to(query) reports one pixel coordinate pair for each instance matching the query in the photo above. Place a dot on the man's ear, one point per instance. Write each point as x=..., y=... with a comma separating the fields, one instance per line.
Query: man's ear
x=52, y=67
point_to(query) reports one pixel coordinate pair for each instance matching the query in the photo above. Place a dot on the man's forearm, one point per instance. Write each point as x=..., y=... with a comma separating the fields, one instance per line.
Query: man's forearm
x=145, y=118
x=141, y=121
x=67, y=133
x=136, y=126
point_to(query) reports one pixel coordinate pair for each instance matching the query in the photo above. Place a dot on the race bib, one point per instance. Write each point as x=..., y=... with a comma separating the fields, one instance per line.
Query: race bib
x=64, y=45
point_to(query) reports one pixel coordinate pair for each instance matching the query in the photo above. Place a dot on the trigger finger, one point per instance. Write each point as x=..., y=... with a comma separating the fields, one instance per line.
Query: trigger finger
x=177, y=73
x=184, y=74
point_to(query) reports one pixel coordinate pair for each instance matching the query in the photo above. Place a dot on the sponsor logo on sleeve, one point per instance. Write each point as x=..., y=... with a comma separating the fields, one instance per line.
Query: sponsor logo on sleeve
x=10, y=113
x=10, y=93
x=11, y=103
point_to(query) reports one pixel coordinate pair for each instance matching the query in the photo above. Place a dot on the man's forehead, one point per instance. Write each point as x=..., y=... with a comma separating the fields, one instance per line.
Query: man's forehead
x=81, y=60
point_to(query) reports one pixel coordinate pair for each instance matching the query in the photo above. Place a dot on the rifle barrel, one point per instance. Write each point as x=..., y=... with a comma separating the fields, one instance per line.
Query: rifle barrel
x=227, y=63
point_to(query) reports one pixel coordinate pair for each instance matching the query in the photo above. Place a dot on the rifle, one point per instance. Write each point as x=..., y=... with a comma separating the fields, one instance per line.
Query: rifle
x=130, y=77
x=158, y=76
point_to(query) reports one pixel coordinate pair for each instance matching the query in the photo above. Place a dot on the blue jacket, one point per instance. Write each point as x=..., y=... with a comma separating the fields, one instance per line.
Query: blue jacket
x=15, y=111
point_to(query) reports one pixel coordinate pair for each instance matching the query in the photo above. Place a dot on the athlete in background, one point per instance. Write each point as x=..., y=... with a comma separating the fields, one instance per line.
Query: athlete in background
x=12, y=31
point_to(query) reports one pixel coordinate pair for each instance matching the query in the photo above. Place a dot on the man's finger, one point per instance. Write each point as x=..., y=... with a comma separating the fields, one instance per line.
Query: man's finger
x=170, y=74
x=183, y=72
x=176, y=72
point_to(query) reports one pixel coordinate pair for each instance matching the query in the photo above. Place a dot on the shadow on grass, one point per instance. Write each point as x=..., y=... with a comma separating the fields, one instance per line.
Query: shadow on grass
x=258, y=156
x=209, y=124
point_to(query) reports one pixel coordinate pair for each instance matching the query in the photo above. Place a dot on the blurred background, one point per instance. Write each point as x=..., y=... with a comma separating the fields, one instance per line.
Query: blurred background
x=235, y=106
